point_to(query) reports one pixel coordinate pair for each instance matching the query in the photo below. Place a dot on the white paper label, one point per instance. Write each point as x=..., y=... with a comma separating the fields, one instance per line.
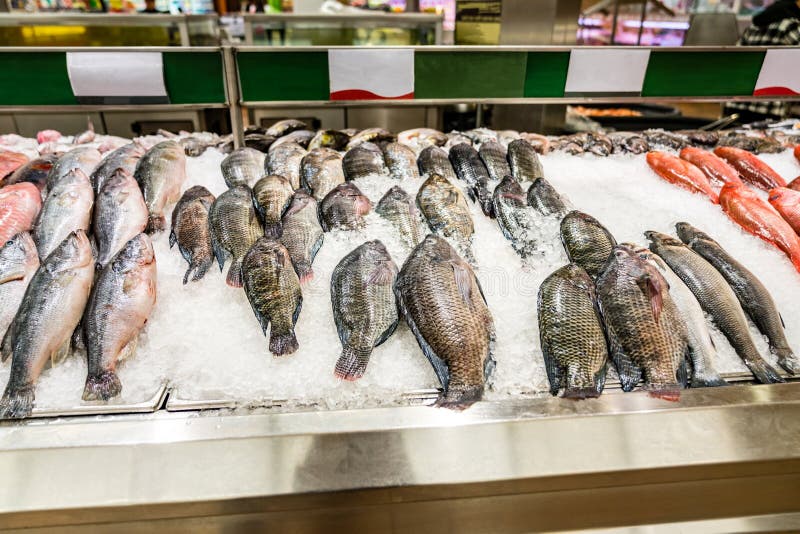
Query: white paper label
x=371, y=74
x=780, y=73
x=607, y=71
x=116, y=74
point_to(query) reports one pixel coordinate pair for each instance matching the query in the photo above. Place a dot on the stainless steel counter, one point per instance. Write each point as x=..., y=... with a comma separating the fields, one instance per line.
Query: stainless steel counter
x=621, y=460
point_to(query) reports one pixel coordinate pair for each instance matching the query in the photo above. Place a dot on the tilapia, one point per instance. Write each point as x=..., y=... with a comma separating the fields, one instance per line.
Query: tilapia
x=444, y=306
x=243, y=166
x=125, y=158
x=481, y=135
x=370, y=134
x=400, y=161
x=272, y=195
x=273, y=289
x=446, y=210
x=514, y=216
x=494, y=156
x=285, y=126
x=716, y=297
x=751, y=169
x=234, y=227
x=120, y=214
x=471, y=170
x=681, y=173
x=433, y=160
x=321, y=171
x=83, y=158
x=586, y=241
x=299, y=137
x=524, y=161
x=285, y=161
x=344, y=208
x=302, y=234
x=260, y=142
x=363, y=160
x=120, y=304
x=571, y=334
x=397, y=207
x=753, y=296
x=364, y=305
x=544, y=198
x=161, y=173
x=329, y=139
x=191, y=231
x=34, y=172
x=67, y=208
x=19, y=206
x=43, y=326
x=646, y=335
x=714, y=167
x=18, y=263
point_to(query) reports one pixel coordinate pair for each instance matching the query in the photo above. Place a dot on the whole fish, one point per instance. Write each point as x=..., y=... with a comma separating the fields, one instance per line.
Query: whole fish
x=10, y=162
x=34, y=172
x=586, y=241
x=524, y=161
x=665, y=139
x=302, y=234
x=751, y=169
x=715, y=168
x=716, y=297
x=445, y=209
x=753, y=296
x=514, y=216
x=703, y=351
x=481, y=135
x=125, y=158
x=18, y=263
x=364, y=305
x=67, y=208
x=646, y=336
x=433, y=160
x=298, y=137
x=700, y=137
x=272, y=195
x=471, y=170
x=443, y=304
x=120, y=214
x=540, y=143
x=598, y=144
x=756, y=216
x=568, y=144
x=285, y=126
x=257, y=141
x=19, y=206
x=494, y=156
x=364, y=160
x=321, y=171
x=273, y=289
x=120, y=304
x=190, y=230
x=285, y=161
x=629, y=143
x=370, y=134
x=455, y=138
x=243, y=166
x=681, y=173
x=544, y=198
x=46, y=319
x=400, y=161
x=787, y=202
x=422, y=137
x=344, y=208
x=234, y=227
x=333, y=139
x=161, y=173
x=398, y=208
x=571, y=334
x=84, y=158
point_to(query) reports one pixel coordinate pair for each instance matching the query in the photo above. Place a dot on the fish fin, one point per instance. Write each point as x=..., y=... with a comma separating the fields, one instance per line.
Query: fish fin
x=155, y=223
x=17, y=402
x=381, y=274
x=234, y=278
x=273, y=230
x=128, y=350
x=386, y=334
x=352, y=363
x=471, y=194
x=78, y=341
x=554, y=370
x=297, y=309
x=667, y=392
x=200, y=269
x=651, y=287
x=460, y=398
x=262, y=319
x=489, y=365
x=103, y=387
x=62, y=353
x=788, y=361
x=7, y=345
x=705, y=377
x=600, y=378
x=172, y=238
x=463, y=280
x=579, y=393
x=682, y=373
x=304, y=271
x=783, y=324
x=219, y=253
x=629, y=373
x=283, y=344
x=763, y=371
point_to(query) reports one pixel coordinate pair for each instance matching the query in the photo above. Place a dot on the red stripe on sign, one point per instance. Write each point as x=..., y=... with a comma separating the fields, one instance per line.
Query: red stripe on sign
x=775, y=91
x=361, y=94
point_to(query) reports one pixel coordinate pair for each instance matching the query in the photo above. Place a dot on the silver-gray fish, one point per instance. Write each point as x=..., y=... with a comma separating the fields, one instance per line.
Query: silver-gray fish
x=344, y=208
x=120, y=214
x=401, y=161
x=514, y=216
x=524, y=161
x=43, y=326
x=126, y=158
x=234, y=228
x=272, y=195
x=321, y=171
x=243, y=166
x=67, y=208
x=190, y=230
x=433, y=160
x=302, y=234
x=364, y=305
x=370, y=134
x=544, y=198
x=18, y=263
x=285, y=161
x=285, y=127
x=493, y=156
x=82, y=157
x=161, y=173
x=398, y=207
x=446, y=211
x=299, y=137
x=363, y=160
x=471, y=170
x=586, y=241
x=120, y=304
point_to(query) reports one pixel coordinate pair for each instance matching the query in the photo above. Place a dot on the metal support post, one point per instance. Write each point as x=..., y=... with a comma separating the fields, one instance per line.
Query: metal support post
x=232, y=91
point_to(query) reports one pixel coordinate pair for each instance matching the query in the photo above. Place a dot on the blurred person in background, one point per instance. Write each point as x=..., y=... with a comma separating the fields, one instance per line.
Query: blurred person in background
x=777, y=25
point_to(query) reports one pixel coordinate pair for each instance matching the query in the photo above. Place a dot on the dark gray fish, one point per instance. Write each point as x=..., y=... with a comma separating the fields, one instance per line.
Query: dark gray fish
x=433, y=160
x=258, y=142
x=370, y=134
x=363, y=160
x=161, y=173
x=443, y=303
x=514, y=216
x=254, y=129
x=234, y=228
x=190, y=230
x=364, y=305
x=120, y=304
x=598, y=144
x=272, y=195
x=332, y=139
x=568, y=144
x=302, y=234
x=586, y=241
x=285, y=161
x=321, y=171
x=493, y=155
x=344, y=208
x=125, y=158
x=398, y=207
x=83, y=158
x=544, y=198
x=571, y=334
x=299, y=137
x=481, y=135
x=285, y=127
x=661, y=138
x=524, y=161
x=273, y=289
x=446, y=210
x=401, y=161
x=18, y=263
x=701, y=137
x=243, y=166
x=471, y=170
x=629, y=143
x=120, y=214
x=455, y=138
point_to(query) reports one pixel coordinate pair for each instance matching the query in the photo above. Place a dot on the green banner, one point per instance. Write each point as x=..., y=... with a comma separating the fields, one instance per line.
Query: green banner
x=194, y=77
x=469, y=74
x=35, y=79
x=283, y=76
x=689, y=73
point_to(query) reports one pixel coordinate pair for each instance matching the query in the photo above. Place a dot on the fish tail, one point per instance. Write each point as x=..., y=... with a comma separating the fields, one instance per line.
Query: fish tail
x=764, y=372
x=667, y=392
x=273, y=230
x=17, y=402
x=304, y=271
x=788, y=361
x=172, y=239
x=460, y=398
x=155, y=223
x=281, y=344
x=709, y=379
x=578, y=393
x=234, y=278
x=200, y=269
x=104, y=386
x=352, y=363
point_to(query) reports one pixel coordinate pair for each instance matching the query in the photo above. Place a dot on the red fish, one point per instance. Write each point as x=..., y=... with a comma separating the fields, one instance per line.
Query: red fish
x=19, y=205
x=797, y=152
x=787, y=202
x=10, y=162
x=714, y=167
x=755, y=215
x=681, y=173
x=794, y=184
x=751, y=169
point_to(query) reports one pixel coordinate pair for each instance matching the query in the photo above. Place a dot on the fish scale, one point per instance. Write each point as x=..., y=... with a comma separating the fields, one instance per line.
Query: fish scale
x=321, y=171
x=190, y=230
x=446, y=211
x=544, y=198
x=398, y=207
x=234, y=228
x=524, y=161
x=272, y=195
x=471, y=170
x=285, y=160
x=586, y=241
x=67, y=208
x=120, y=213
x=514, y=216
x=126, y=158
x=433, y=160
x=302, y=234
x=243, y=166
x=161, y=173
x=493, y=156
x=400, y=161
